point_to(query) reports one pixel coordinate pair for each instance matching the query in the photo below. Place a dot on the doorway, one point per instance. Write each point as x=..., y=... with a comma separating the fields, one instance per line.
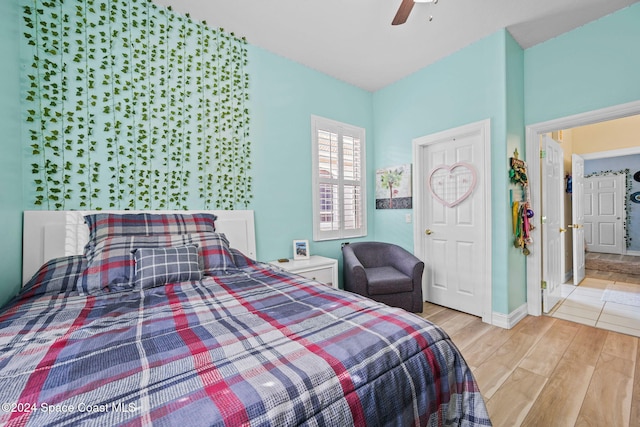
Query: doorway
x=452, y=227
x=533, y=134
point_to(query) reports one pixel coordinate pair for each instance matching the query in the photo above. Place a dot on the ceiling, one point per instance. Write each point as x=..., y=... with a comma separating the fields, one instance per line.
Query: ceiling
x=354, y=41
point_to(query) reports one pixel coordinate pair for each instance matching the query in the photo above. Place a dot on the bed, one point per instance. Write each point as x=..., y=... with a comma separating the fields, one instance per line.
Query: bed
x=190, y=330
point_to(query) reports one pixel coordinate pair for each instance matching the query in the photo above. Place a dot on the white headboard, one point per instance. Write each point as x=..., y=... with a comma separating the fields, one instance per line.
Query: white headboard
x=52, y=234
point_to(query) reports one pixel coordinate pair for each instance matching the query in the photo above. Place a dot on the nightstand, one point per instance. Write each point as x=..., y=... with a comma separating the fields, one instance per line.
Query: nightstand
x=319, y=268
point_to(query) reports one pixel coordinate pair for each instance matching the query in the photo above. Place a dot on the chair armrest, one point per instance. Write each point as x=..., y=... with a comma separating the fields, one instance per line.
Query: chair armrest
x=355, y=279
x=407, y=263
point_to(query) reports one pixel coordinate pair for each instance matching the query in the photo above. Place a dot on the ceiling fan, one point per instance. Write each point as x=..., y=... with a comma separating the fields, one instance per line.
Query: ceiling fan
x=405, y=9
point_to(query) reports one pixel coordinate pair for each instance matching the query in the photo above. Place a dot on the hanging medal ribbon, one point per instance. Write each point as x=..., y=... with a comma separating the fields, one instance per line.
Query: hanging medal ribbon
x=521, y=211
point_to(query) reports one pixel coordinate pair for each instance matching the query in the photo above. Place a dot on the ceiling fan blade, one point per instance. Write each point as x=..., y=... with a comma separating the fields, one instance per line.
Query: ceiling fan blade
x=403, y=12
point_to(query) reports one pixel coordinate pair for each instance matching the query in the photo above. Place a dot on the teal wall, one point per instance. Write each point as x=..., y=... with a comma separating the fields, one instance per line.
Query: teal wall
x=592, y=67
x=517, y=263
x=466, y=87
x=284, y=95
x=10, y=160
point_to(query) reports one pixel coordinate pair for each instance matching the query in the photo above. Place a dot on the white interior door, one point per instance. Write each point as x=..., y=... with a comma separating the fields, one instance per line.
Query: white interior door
x=552, y=222
x=605, y=213
x=453, y=208
x=577, y=218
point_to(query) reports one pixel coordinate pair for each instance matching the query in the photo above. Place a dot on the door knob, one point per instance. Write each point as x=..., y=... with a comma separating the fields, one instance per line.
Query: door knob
x=562, y=230
x=428, y=232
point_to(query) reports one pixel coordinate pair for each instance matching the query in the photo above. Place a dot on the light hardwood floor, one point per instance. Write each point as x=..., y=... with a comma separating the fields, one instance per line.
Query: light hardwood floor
x=587, y=304
x=549, y=372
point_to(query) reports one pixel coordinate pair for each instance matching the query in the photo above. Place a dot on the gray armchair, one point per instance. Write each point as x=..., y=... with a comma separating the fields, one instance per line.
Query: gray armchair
x=385, y=273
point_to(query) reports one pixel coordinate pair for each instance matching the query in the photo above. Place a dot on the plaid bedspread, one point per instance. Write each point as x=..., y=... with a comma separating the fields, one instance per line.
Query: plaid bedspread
x=261, y=347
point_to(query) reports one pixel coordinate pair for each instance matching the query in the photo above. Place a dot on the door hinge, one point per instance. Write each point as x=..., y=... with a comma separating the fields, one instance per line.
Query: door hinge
x=544, y=284
x=543, y=154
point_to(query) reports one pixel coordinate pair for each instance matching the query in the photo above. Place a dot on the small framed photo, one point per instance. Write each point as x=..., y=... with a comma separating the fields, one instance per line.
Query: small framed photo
x=300, y=249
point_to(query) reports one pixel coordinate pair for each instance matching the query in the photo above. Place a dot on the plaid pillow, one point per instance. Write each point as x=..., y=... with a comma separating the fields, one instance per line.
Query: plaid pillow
x=159, y=266
x=104, y=225
x=214, y=251
x=112, y=267
x=58, y=275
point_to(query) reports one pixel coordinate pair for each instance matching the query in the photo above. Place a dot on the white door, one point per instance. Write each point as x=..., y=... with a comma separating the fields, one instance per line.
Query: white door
x=454, y=235
x=577, y=218
x=605, y=213
x=552, y=222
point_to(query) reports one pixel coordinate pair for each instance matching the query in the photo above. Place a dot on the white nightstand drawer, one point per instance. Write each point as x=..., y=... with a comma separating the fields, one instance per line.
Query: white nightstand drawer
x=318, y=268
x=324, y=275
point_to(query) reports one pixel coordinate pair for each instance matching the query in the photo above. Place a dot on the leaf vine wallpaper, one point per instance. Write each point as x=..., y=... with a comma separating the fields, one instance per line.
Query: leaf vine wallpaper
x=131, y=106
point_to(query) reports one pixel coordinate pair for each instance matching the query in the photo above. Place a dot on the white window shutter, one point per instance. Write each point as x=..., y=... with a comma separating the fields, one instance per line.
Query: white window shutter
x=339, y=180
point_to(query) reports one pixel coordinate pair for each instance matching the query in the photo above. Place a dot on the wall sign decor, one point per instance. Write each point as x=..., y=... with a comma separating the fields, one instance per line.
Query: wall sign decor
x=393, y=187
x=636, y=176
x=451, y=185
x=635, y=197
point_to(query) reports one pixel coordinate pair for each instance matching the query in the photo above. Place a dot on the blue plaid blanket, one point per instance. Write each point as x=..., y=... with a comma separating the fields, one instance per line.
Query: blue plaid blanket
x=260, y=347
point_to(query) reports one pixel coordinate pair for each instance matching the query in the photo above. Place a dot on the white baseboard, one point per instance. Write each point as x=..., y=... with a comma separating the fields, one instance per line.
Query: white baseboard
x=633, y=253
x=508, y=321
x=567, y=276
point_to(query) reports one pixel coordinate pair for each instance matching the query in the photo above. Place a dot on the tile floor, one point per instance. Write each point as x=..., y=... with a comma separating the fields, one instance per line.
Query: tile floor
x=583, y=304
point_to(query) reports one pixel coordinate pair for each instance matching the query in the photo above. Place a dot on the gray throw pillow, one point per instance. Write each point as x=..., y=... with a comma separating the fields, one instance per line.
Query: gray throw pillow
x=159, y=266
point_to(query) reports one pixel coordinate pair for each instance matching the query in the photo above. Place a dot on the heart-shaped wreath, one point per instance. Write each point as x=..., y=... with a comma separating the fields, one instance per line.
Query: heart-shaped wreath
x=451, y=185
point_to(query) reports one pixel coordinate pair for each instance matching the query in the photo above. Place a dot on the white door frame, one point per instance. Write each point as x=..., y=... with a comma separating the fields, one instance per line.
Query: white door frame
x=420, y=176
x=533, y=132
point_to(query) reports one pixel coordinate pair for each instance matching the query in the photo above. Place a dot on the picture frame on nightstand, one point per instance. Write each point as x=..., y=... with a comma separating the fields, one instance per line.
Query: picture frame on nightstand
x=300, y=249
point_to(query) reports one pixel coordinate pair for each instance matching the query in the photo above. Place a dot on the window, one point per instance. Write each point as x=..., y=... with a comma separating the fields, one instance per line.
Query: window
x=339, y=202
